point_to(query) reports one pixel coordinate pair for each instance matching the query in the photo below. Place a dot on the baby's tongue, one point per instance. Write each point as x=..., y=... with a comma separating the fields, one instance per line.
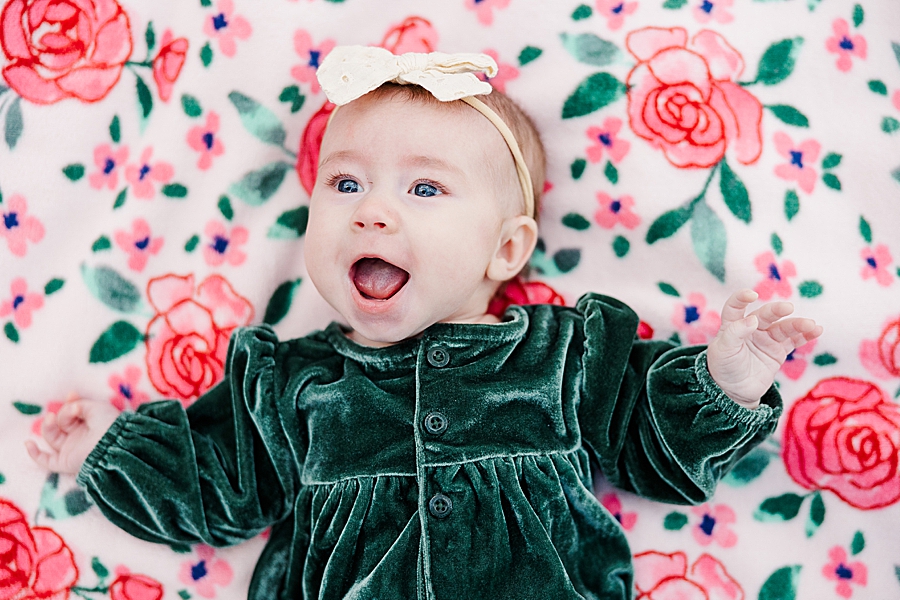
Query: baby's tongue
x=378, y=279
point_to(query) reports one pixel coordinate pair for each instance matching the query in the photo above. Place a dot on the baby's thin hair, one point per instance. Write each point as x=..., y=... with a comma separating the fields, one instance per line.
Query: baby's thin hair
x=513, y=115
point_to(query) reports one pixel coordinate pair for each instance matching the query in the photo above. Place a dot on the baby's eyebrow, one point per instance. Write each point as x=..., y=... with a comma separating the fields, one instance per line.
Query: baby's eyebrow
x=348, y=155
x=431, y=162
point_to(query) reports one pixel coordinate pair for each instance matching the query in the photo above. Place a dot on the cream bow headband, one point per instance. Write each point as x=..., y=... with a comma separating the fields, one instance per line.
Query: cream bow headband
x=349, y=72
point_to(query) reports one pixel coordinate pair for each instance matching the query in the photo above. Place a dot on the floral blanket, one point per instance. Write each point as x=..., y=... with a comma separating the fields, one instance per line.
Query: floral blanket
x=155, y=170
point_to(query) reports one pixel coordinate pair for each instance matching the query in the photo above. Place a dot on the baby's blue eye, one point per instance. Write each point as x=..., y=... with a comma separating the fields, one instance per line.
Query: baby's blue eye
x=425, y=190
x=348, y=186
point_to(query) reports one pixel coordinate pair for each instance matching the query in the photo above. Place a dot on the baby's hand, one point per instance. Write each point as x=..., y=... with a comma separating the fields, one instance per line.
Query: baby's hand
x=748, y=351
x=72, y=433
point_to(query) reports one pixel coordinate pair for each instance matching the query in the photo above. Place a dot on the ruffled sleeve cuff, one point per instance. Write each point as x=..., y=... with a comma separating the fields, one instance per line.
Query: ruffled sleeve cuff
x=770, y=405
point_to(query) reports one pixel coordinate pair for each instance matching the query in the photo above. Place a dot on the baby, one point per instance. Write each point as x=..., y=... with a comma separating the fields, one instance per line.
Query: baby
x=432, y=450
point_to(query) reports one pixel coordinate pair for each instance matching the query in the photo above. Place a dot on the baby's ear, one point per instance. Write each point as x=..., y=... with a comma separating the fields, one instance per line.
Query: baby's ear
x=518, y=238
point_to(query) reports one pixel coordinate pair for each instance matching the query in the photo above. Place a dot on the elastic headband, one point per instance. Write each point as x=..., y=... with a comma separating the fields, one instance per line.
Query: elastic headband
x=349, y=72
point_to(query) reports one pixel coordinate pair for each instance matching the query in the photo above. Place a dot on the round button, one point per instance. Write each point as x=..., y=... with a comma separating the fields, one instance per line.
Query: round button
x=436, y=423
x=440, y=506
x=438, y=357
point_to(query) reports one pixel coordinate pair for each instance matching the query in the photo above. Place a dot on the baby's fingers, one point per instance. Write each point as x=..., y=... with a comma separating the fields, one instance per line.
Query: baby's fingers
x=770, y=313
x=45, y=459
x=70, y=415
x=793, y=333
x=735, y=306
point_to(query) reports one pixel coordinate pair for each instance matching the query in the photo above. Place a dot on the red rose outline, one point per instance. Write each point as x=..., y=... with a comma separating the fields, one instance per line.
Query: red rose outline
x=35, y=562
x=660, y=576
x=844, y=436
x=128, y=586
x=67, y=49
x=683, y=97
x=520, y=292
x=187, y=339
x=168, y=63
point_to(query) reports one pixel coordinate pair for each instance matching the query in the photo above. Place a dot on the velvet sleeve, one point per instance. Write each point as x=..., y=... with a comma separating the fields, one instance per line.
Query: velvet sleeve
x=652, y=417
x=220, y=472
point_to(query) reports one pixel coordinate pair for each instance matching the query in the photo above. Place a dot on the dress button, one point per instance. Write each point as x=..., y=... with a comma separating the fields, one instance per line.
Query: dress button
x=440, y=506
x=438, y=356
x=436, y=423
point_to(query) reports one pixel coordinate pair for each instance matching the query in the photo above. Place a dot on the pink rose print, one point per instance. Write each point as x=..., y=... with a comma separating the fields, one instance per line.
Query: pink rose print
x=37, y=563
x=713, y=525
x=683, y=97
x=108, y=163
x=795, y=363
x=659, y=576
x=698, y=323
x=207, y=573
x=844, y=572
x=881, y=357
x=612, y=503
x=142, y=175
x=615, y=11
x=310, y=145
x=167, y=64
x=204, y=140
x=18, y=227
x=520, y=292
x=414, y=34
x=605, y=139
x=775, y=276
x=22, y=303
x=800, y=159
x=877, y=261
x=225, y=26
x=126, y=394
x=128, y=586
x=615, y=210
x=312, y=56
x=844, y=436
x=484, y=9
x=64, y=49
x=223, y=246
x=713, y=10
x=845, y=45
x=139, y=245
x=505, y=72
x=187, y=339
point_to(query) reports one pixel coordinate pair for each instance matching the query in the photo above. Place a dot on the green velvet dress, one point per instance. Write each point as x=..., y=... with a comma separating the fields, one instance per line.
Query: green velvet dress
x=452, y=466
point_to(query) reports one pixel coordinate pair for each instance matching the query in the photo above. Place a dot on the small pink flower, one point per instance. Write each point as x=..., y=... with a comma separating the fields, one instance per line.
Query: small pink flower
x=698, y=323
x=126, y=394
x=223, y=246
x=21, y=304
x=795, y=363
x=713, y=10
x=139, y=245
x=604, y=138
x=775, y=276
x=142, y=175
x=312, y=56
x=615, y=210
x=845, y=45
x=612, y=503
x=713, y=525
x=615, y=11
x=206, y=573
x=505, y=72
x=108, y=163
x=800, y=160
x=225, y=26
x=843, y=572
x=484, y=9
x=18, y=227
x=877, y=262
x=896, y=99
x=204, y=140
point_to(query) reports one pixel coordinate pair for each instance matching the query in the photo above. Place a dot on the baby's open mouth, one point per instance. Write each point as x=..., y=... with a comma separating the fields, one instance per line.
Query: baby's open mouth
x=377, y=279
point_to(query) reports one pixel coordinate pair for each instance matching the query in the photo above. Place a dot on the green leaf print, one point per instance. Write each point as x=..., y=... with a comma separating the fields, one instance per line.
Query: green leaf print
x=256, y=187
x=779, y=508
x=112, y=289
x=15, y=123
x=735, y=193
x=280, y=302
x=590, y=49
x=789, y=114
x=258, y=120
x=668, y=223
x=778, y=61
x=709, y=239
x=592, y=94
x=782, y=584
x=119, y=339
x=291, y=224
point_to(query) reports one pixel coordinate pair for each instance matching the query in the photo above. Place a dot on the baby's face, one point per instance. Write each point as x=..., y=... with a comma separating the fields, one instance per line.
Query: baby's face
x=407, y=215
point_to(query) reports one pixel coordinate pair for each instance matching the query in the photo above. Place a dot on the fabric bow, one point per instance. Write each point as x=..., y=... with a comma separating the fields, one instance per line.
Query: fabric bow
x=349, y=72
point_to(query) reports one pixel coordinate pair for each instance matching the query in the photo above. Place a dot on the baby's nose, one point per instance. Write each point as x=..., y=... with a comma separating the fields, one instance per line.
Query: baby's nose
x=374, y=214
